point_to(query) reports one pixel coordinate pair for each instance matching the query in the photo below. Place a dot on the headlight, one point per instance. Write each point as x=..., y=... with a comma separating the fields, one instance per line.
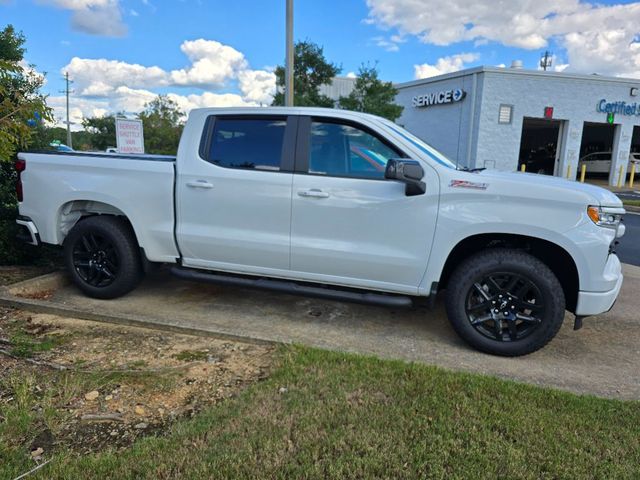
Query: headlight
x=605, y=217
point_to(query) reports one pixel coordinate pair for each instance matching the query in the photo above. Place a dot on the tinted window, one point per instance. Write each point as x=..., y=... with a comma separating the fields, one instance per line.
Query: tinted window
x=345, y=151
x=251, y=143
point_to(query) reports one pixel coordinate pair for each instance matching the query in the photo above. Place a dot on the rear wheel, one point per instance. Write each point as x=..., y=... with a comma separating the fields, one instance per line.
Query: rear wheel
x=102, y=256
x=505, y=302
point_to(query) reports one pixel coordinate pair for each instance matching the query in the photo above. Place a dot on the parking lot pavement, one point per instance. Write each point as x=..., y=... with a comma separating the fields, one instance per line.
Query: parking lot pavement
x=629, y=248
x=602, y=359
x=629, y=194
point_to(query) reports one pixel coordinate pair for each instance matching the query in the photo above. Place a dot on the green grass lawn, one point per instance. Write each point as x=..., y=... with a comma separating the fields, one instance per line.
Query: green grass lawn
x=632, y=203
x=347, y=416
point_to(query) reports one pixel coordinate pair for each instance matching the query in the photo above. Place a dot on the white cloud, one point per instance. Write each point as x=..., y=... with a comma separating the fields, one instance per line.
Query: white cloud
x=208, y=99
x=130, y=101
x=79, y=108
x=596, y=37
x=388, y=44
x=95, y=17
x=100, y=76
x=444, y=65
x=605, y=52
x=31, y=71
x=104, y=85
x=352, y=75
x=257, y=86
x=211, y=63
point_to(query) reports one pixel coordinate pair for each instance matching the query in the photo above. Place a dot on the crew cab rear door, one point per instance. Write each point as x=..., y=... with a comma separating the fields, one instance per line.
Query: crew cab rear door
x=234, y=194
x=349, y=225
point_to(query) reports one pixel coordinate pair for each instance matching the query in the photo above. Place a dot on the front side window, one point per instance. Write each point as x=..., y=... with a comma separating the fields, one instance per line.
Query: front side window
x=254, y=144
x=341, y=150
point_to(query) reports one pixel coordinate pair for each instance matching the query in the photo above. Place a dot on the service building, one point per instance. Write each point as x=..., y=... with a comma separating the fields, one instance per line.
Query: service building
x=504, y=117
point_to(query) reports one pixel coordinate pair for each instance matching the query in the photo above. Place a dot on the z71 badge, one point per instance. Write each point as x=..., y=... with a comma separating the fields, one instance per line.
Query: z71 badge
x=467, y=184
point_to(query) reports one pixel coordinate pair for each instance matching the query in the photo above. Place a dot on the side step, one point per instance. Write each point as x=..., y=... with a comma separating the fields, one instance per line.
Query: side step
x=292, y=288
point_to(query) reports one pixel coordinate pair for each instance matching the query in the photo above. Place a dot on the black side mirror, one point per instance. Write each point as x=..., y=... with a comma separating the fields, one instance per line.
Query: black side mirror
x=408, y=171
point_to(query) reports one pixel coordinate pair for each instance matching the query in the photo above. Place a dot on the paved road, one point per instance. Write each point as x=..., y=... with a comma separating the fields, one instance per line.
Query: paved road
x=629, y=248
x=629, y=195
x=602, y=359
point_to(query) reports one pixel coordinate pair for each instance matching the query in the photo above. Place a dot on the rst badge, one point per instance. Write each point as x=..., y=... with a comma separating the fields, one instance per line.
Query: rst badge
x=468, y=184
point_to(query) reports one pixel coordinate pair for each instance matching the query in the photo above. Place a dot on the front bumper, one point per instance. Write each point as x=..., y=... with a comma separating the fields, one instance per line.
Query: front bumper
x=594, y=303
x=28, y=231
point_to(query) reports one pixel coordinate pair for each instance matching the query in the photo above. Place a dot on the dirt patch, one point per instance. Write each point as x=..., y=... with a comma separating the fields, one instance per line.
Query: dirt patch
x=41, y=295
x=14, y=274
x=111, y=384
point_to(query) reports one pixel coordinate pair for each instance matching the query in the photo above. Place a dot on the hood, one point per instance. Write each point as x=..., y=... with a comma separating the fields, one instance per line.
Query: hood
x=550, y=185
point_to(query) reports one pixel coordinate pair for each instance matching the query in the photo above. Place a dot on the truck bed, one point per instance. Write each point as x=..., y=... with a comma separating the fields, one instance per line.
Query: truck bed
x=59, y=186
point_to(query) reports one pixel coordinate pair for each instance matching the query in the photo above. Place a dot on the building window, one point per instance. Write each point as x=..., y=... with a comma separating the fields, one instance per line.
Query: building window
x=505, y=114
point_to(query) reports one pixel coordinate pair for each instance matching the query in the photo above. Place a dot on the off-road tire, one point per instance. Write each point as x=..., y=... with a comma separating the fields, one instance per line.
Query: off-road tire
x=118, y=240
x=497, y=262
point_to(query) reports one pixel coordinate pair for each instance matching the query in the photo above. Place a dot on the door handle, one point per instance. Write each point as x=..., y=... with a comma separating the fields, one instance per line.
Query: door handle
x=200, y=184
x=313, y=193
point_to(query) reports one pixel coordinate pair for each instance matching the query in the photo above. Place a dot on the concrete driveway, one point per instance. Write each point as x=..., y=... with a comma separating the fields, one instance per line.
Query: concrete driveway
x=601, y=359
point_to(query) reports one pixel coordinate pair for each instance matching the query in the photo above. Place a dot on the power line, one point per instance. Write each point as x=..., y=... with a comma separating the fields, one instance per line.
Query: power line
x=66, y=91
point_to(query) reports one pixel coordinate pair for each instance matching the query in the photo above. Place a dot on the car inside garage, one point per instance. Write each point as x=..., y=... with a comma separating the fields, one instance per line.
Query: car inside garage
x=596, y=148
x=635, y=140
x=539, y=145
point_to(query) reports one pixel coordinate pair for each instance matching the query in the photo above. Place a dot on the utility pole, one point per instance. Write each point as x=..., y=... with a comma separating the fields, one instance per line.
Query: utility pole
x=546, y=60
x=66, y=91
x=288, y=78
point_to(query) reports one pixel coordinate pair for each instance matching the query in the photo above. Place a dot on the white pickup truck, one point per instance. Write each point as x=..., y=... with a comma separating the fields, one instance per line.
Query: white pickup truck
x=333, y=204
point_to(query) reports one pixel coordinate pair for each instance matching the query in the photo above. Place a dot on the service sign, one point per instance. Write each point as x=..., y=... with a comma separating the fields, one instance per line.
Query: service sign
x=129, y=137
x=438, y=98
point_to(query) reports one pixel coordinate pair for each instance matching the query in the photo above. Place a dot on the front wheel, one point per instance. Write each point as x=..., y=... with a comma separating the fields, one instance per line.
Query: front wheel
x=505, y=302
x=102, y=257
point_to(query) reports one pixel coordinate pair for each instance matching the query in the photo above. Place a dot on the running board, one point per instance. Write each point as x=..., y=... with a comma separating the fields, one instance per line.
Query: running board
x=292, y=288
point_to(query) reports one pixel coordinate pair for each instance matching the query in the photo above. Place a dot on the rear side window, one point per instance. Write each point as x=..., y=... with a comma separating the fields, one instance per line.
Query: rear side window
x=342, y=150
x=254, y=144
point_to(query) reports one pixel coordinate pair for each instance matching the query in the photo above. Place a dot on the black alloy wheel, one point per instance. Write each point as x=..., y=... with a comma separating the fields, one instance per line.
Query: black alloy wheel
x=505, y=306
x=95, y=259
x=103, y=256
x=505, y=301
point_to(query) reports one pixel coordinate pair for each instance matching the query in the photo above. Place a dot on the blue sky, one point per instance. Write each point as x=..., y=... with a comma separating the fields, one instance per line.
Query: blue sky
x=241, y=40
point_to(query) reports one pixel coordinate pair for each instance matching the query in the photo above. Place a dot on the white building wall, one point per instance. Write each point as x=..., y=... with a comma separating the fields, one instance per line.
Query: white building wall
x=444, y=126
x=573, y=97
x=339, y=87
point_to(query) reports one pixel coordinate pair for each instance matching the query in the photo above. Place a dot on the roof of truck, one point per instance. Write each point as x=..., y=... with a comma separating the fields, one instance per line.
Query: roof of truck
x=312, y=111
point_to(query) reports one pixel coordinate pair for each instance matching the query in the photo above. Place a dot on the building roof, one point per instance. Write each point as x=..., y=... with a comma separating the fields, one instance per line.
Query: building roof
x=519, y=71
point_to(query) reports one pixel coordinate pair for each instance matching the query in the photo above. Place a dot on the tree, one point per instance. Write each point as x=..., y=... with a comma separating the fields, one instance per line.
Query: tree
x=102, y=130
x=22, y=108
x=371, y=95
x=21, y=104
x=310, y=70
x=162, y=123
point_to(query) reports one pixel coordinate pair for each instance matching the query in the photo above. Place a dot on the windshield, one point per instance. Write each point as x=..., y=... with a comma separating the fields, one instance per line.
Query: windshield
x=422, y=146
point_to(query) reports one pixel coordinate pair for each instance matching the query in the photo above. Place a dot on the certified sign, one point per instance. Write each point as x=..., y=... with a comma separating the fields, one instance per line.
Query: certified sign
x=129, y=137
x=438, y=98
x=622, y=108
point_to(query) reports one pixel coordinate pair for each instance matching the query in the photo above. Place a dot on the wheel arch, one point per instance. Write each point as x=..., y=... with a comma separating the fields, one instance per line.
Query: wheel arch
x=74, y=211
x=557, y=258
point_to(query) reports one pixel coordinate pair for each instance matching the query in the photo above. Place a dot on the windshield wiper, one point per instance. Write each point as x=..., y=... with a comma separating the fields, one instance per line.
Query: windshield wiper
x=467, y=169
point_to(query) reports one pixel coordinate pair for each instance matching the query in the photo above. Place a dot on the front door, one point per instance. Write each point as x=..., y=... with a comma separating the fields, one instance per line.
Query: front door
x=234, y=196
x=350, y=226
